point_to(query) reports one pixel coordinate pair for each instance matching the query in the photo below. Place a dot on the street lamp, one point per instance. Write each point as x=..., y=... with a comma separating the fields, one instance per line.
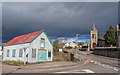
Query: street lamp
x=77, y=35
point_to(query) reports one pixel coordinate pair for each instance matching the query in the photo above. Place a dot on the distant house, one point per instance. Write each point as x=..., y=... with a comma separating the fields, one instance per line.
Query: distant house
x=70, y=44
x=32, y=47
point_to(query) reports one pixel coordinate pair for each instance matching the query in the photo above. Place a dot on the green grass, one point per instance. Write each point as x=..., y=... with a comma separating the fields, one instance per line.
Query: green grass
x=12, y=62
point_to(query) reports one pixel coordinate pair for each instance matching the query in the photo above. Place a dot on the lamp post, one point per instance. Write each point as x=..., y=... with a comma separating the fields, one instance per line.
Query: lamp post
x=77, y=35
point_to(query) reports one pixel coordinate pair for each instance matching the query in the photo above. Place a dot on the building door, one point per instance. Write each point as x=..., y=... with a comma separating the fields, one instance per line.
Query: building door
x=94, y=44
x=42, y=56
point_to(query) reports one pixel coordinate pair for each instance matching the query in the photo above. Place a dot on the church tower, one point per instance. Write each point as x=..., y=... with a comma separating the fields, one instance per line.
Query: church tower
x=93, y=37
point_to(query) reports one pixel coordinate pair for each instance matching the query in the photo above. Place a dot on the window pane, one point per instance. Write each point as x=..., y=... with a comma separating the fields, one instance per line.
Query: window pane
x=7, y=53
x=42, y=43
x=92, y=35
x=13, y=53
x=33, y=53
x=49, y=54
x=20, y=53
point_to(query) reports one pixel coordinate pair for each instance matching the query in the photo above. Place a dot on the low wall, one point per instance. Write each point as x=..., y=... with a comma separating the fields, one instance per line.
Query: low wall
x=107, y=51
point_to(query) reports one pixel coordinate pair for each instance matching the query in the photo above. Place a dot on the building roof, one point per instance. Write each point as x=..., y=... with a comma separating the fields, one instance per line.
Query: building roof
x=26, y=38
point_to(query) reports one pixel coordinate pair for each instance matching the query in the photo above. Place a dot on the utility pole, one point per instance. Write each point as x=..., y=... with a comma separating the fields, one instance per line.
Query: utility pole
x=118, y=36
x=77, y=35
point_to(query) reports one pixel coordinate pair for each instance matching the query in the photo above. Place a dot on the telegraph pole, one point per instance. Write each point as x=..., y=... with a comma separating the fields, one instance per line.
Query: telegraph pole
x=77, y=35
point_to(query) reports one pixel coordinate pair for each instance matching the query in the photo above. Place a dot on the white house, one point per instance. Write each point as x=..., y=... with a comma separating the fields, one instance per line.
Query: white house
x=71, y=44
x=32, y=47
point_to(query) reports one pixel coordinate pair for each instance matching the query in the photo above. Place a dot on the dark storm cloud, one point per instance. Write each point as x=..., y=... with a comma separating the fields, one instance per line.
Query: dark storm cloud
x=58, y=19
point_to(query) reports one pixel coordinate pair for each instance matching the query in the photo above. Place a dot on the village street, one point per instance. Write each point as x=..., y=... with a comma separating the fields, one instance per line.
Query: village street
x=58, y=67
x=89, y=64
x=113, y=62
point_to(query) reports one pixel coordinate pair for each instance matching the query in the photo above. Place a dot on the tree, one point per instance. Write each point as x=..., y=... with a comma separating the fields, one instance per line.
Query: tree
x=110, y=37
x=56, y=46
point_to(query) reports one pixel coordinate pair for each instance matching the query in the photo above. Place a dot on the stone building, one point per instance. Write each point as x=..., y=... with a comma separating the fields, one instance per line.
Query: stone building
x=93, y=37
x=118, y=36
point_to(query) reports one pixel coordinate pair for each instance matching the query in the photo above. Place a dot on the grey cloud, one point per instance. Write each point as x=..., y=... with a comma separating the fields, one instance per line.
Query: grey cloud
x=59, y=0
x=58, y=19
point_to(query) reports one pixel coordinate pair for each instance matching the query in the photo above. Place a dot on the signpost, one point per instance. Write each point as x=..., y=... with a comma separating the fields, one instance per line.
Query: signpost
x=60, y=50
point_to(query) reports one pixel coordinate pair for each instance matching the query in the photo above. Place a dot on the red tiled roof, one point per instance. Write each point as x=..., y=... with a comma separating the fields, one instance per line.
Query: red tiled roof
x=23, y=38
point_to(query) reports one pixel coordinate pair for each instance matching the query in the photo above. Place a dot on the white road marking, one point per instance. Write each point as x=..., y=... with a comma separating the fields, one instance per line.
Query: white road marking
x=77, y=71
x=69, y=72
x=116, y=69
x=88, y=71
x=104, y=65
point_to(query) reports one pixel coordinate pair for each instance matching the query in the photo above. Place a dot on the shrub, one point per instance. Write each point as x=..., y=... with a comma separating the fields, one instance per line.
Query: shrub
x=69, y=47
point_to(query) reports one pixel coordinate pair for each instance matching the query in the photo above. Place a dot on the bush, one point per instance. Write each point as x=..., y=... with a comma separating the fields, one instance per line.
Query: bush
x=69, y=47
x=12, y=62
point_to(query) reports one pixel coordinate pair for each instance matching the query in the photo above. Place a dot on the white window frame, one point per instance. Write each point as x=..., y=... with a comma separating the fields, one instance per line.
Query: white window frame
x=33, y=53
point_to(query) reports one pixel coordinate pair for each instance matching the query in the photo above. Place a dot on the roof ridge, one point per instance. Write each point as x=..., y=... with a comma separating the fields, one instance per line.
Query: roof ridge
x=30, y=33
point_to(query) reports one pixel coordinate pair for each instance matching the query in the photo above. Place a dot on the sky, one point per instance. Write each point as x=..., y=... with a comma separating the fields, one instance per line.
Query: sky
x=58, y=19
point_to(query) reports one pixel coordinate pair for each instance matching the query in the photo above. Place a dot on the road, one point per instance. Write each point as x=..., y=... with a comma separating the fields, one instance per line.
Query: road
x=58, y=67
x=113, y=62
x=84, y=55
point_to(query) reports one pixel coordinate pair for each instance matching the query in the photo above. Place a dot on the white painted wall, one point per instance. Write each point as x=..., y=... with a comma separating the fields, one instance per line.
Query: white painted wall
x=17, y=48
x=1, y=52
x=35, y=44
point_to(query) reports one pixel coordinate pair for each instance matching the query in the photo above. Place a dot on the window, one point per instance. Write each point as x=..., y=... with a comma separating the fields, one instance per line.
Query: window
x=92, y=35
x=95, y=36
x=20, y=53
x=13, y=53
x=42, y=43
x=8, y=53
x=49, y=54
x=33, y=53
